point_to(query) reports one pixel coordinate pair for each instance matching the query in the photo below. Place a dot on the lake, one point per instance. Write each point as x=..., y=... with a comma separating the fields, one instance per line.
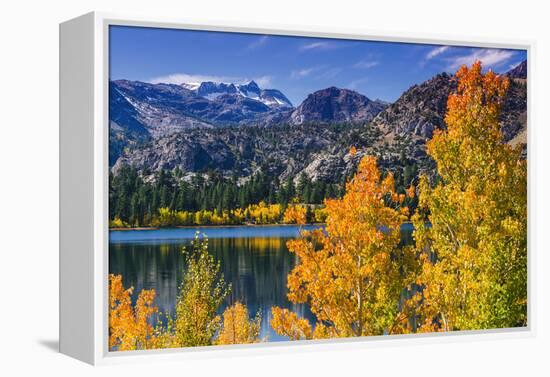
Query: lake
x=254, y=259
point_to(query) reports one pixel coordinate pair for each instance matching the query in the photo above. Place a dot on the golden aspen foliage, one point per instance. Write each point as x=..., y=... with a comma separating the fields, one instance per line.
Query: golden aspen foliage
x=320, y=215
x=117, y=223
x=352, y=273
x=471, y=226
x=295, y=214
x=164, y=334
x=260, y=213
x=287, y=323
x=202, y=293
x=129, y=326
x=237, y=327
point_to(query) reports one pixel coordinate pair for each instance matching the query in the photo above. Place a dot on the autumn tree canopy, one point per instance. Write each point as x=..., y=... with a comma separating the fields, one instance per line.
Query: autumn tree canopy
x=351, y=274
x=237, y=327
x=202, y=293
x=467, y=269
x=474, y=250
x=129, y=325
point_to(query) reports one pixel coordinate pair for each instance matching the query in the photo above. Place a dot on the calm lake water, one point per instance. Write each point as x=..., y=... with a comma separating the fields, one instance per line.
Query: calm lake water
x=254, y=259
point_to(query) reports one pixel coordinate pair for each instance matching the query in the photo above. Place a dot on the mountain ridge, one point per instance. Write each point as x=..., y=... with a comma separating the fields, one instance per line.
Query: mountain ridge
x=211, y=90
x=334, y=104
x=313, y=139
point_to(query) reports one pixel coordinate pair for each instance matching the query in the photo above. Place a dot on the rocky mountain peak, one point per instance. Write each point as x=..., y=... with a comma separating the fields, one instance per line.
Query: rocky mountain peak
x=210, y=90
x=251, y=86
x=334, y=104
x=419, y=110
x=207, y=88
x=519, y=71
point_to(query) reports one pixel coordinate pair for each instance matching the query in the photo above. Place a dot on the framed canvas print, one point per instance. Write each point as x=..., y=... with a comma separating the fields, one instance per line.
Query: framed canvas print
x=233, y=189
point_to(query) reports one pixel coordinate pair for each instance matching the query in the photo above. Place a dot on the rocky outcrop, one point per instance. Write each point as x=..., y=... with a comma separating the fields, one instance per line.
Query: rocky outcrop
x=325, y=166
x=183, y=151
x=285, y=150
x=420, y=110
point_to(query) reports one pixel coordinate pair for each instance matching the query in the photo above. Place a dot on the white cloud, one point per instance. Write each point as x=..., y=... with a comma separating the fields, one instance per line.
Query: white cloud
x=180, y=78
x=329, y=73
x=259, y=42
x=264, y=81
x=318, y=72
x=366, y=64
x=436, y=51
x=317, y=46
x=488, y=58
x=357, y=83
x=304, y=72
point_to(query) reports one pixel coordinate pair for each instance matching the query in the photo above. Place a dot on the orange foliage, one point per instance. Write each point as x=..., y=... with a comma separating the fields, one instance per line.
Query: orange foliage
x=129, y=326
x=351, y=273
x=286, y=323
x=474, y=254
x=295, y=214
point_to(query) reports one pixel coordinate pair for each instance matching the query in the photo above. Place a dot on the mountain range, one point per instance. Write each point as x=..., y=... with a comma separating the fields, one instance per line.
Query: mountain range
x=212, y=90
x=236, y=128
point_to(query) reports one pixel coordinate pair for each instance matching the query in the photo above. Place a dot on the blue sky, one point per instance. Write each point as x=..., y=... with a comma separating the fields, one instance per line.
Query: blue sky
x=295, y=65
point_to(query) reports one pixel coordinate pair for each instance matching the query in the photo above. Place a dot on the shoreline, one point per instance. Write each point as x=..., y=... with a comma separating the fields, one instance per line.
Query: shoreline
x=208, y=226
x=220, y=226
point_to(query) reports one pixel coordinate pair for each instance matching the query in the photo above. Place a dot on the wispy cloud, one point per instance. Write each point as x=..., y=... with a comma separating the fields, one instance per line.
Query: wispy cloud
x=366, y=64
x=488, y=57
x=180, y=78
x=357, y=83
x=264, y=81
x=436, y=52
x=259, y=42
x=318, y=72
x=329, y=73
x=303, y=72
x=318, y=46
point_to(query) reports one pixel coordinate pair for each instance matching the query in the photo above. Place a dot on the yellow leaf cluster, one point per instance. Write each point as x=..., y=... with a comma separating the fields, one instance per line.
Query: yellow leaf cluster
x=295, y=214
x=203, y=291
x=352, y=273
x=475, y=246
x=287, y=323
x=237, y=328
x=129, y=326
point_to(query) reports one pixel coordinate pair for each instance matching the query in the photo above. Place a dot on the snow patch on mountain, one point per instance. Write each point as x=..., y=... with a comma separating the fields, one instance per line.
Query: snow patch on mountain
x=212, y=90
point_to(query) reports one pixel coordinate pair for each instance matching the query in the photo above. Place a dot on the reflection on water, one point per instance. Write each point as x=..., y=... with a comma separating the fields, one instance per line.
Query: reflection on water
x=255, y=265
x=255, y=260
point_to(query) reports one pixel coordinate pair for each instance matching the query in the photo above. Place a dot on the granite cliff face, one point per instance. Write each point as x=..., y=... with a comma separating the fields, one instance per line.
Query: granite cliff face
x=284, y=150
x=420, y=110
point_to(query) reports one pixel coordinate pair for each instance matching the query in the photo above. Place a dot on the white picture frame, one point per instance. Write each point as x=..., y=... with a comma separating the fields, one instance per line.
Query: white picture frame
x=84, y=49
